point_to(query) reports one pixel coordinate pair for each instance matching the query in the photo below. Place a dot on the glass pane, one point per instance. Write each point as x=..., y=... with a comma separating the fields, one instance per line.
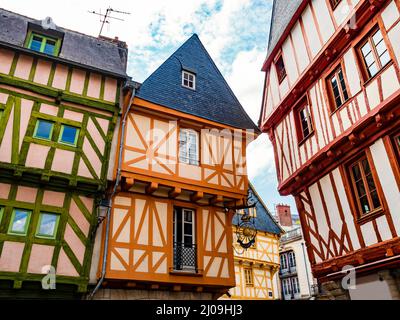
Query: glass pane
x=361, y=188
x=47, y=225
x=366, y=49
x=366, y=167
x=377, y=37
x=336, y=93
x=365, y=205
x=371, y=183
x=343, y=85
x=20, y=221
x=188, y=216
x=69, y=134
x=381, y=48
x=44, y=129
x=369, y=59
x=375, y=199
x=385, y=58
x=356, y=172
x=36, y=43
x=49, y=47
x=373, y=70
x=188, y=240
x=188, y=229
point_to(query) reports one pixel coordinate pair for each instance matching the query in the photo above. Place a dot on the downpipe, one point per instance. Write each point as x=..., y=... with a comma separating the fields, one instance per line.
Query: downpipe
x=114, y=190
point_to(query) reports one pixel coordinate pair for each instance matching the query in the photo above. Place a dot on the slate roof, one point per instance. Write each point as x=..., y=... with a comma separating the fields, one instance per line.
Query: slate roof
x=263, y=220
x=282, y=13
x=213, y=99
x=76, y=47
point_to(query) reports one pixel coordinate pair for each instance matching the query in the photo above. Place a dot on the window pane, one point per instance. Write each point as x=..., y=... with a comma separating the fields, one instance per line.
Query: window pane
x=188, y=229
x=20, y=221
x=369, y=59
x=44, y=129
x=36, y=43
x=188, y=240
x=365, y=205
x=375, y=199
x=49, y=47
x=361, y=188
x=356, y=172
x=385, y=58
x=373, y=70
x=377, y=37
x=336, y=93
x=188, y=216
x=366, y=49
x=366, y=167
x=48, y=224
x=343, y=84
x=69, y=134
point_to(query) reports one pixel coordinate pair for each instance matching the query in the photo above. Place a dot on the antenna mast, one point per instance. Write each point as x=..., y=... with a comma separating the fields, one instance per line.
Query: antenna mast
x=104, y=18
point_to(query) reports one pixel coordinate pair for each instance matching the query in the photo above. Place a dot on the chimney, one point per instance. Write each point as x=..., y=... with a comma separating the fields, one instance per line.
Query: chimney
x=284, y=215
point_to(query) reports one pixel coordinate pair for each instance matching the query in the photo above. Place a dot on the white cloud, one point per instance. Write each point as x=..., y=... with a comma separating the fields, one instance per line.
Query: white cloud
x=260, y=158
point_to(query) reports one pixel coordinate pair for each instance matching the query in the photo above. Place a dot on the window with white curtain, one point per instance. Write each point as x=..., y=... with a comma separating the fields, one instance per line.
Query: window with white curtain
x=189, y=146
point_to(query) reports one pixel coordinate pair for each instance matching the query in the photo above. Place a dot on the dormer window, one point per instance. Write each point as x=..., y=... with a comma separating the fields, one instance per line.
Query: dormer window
x=40, y=43
x=188, y=80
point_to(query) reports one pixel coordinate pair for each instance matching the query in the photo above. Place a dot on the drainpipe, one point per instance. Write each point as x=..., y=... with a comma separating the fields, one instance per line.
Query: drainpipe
x=114, y=190
x=305, y=263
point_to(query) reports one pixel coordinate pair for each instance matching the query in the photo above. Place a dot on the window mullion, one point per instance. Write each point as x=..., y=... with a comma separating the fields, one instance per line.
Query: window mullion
x=365, y=181
x=375, y=53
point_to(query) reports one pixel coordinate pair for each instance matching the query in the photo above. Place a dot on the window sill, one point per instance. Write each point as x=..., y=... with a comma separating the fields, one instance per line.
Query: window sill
x=371, y=216
x=173, y=272
x=306, y=138
x=387, y=66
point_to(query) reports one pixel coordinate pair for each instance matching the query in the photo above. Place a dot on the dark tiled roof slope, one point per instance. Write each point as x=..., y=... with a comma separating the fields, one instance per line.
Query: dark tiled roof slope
x=263, y=221
x=212, y=99
x=282, y=13
x=76, y=47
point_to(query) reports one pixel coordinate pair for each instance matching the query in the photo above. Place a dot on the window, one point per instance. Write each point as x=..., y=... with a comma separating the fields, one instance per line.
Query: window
x=189, y=147
x=189, y=80
x=185, y=257
x=397, y=144
x=287, y=288
x=295, y=285
x=374, y=53
x=47, y=226
x=69, y=135
x=292, y=259
x=364, y=186
x=334, y=3
x=43, y=129
x=283, y=262
x=19, y=222
x=337, y=88
x=44, y=44
x=1, y=213
x=280, y=69
x=248, y=276
x=304, y=122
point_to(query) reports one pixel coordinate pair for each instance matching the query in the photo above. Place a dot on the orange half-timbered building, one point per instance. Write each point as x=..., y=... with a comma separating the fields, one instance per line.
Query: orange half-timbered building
x=182, y=171
x=331, y=109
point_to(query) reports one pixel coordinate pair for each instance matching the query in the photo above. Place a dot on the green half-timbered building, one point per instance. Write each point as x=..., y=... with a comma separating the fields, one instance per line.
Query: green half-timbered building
x=59, y=105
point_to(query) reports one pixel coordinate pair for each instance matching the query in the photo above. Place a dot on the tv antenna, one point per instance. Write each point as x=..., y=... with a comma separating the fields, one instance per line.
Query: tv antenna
x=104, y=18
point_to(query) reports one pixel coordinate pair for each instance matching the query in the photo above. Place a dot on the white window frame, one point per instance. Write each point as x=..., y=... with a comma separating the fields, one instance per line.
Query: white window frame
x=179, y=210
x=188, y=75
x=185, y=157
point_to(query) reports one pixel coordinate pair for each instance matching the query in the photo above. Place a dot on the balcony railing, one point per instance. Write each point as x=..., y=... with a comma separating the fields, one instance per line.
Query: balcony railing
x=288, y=271
x=291, y=235
x=185, y=257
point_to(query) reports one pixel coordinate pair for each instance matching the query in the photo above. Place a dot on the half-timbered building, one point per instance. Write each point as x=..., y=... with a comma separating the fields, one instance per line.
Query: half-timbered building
x=331, y=109
x=59, y=104
x=182, y=171
x=256, y=268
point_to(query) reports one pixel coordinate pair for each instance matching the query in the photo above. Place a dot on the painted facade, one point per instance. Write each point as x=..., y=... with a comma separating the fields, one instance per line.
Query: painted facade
x=256, y=268
x=57, y=120
x=181, y=169
x=331, y=110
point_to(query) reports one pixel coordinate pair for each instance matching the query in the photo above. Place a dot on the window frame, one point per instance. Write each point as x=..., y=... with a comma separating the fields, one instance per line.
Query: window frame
x=368, y=38
x=74, y=144
x=355, y=199
x=248, y=277
x=303, y=104
x=186, y=72
x=335, y=74
x=280, y=73
x=37, y=126
x=42, y=236
x=187, y=159
x=28, y=219
x=44, y=38
x=1, y=213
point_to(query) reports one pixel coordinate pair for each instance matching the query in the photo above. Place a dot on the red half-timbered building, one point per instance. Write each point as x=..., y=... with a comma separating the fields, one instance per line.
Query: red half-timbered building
x=331, y=109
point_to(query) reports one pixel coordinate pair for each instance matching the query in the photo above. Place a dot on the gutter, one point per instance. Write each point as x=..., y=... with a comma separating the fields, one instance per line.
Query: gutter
x=114, y=190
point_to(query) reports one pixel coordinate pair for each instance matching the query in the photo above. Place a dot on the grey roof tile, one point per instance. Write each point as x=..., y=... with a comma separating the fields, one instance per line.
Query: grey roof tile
x=76, y=47
x=213, y=99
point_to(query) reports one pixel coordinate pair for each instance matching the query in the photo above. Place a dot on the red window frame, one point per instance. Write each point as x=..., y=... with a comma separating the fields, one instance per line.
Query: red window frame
x=339, y=96
x=280, y=69
x=301, y=118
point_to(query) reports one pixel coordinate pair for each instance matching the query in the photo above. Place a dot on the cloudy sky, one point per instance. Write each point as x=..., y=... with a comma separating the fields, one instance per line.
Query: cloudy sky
x=235, y=33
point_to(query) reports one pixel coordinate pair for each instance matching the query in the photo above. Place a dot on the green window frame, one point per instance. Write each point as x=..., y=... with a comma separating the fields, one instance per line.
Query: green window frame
x=44, y=44
x=39, y=230
x=11, y=229
x=36, y=134
x=64, y=129
x=1, y=214
x=2, y=107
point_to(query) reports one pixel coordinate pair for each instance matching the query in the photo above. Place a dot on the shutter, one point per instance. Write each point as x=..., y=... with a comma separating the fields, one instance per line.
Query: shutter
x=183, y=156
